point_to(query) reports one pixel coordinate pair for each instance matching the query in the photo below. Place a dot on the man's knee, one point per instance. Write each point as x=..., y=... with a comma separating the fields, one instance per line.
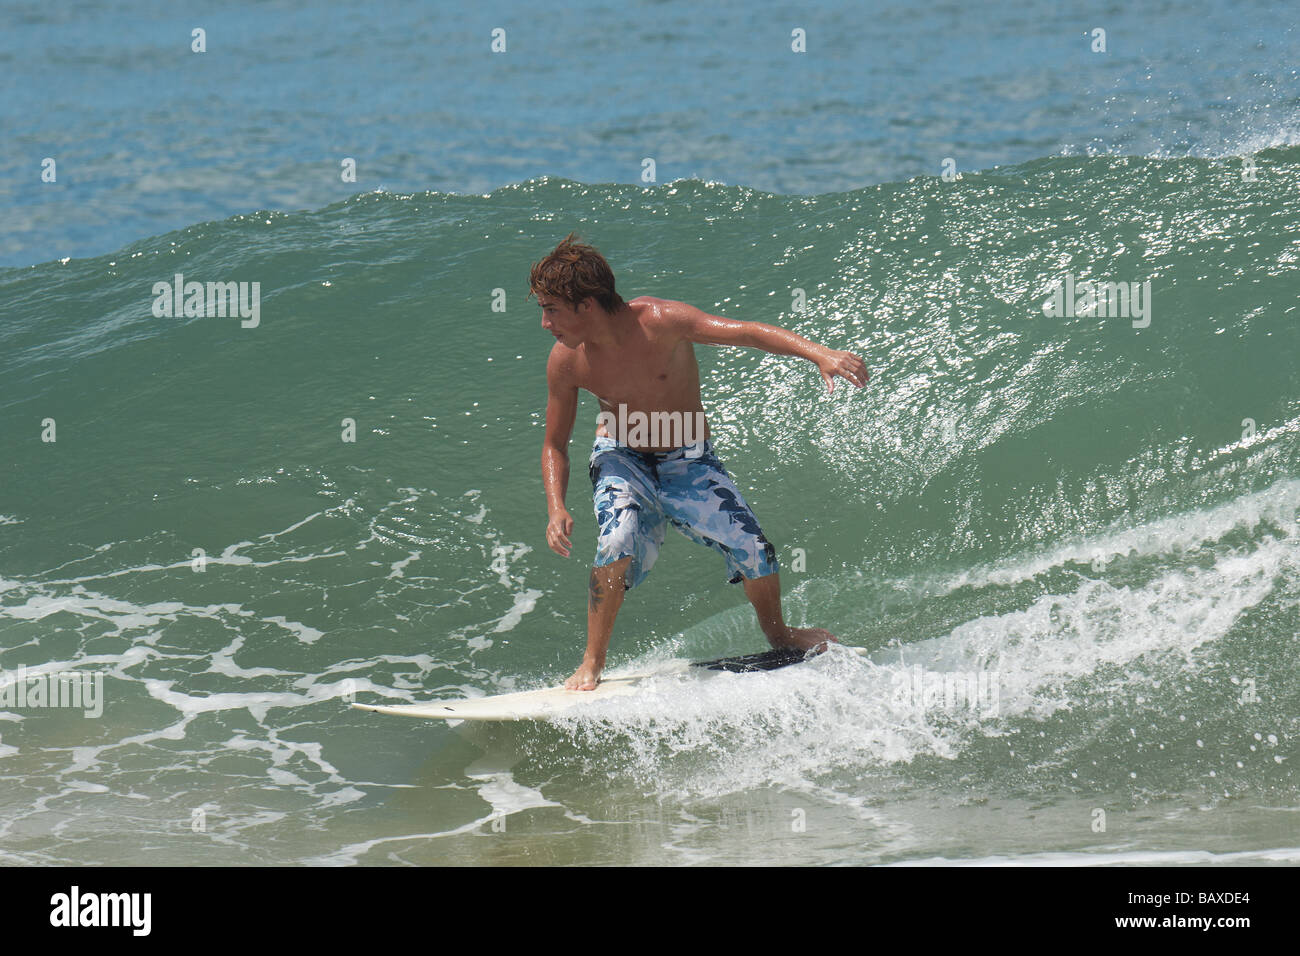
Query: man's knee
x=614, y=573
x=617, y=568
x=760, y=582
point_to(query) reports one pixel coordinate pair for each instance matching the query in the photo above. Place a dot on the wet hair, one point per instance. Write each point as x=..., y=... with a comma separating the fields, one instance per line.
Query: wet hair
x=572, y=272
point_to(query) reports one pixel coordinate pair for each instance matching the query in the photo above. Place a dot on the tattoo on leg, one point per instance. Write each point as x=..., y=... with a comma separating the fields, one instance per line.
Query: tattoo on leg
x=595, y=593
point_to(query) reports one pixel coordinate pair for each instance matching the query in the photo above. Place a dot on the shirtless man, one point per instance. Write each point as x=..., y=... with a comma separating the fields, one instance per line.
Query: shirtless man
x=640, y=355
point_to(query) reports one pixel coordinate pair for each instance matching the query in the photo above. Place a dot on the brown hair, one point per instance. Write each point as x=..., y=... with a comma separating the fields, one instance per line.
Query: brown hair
x=572, y=272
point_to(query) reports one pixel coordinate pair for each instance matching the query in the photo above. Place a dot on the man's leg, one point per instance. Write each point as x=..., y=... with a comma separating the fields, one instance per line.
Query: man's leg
x=721, y=519
x=765, y=594
x=604, y=597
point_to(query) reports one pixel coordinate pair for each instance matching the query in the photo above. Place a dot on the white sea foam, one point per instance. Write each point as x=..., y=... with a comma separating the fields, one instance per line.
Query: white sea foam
x=797, y=726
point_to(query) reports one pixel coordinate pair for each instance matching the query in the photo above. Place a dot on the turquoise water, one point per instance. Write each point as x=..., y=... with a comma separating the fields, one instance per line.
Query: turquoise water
x=1098, y=517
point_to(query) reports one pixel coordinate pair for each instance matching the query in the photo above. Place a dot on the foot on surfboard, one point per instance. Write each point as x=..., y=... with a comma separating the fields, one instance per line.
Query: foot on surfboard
x=806, y=639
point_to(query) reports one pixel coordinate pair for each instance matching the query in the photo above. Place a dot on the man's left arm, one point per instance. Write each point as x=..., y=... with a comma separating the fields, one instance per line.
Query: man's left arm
x=699, y=326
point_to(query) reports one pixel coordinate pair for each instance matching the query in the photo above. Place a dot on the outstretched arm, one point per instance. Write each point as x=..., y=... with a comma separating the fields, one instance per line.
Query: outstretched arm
x=699, y=326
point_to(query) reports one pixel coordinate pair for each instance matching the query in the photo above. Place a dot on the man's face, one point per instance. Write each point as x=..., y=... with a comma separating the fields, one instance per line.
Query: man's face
x=567, y=323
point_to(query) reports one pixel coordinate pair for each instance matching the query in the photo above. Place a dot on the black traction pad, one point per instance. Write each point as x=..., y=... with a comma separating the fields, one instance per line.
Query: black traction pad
x=766, y=661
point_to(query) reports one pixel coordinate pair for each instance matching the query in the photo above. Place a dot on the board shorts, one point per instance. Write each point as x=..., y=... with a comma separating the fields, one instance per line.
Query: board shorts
x=638, y=493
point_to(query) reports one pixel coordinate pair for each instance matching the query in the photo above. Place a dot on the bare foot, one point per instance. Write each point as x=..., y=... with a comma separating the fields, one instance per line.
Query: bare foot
x=804, y=639
x=585, y=677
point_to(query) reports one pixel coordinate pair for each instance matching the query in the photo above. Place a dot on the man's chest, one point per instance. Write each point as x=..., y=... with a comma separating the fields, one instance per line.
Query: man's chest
x=648, y=377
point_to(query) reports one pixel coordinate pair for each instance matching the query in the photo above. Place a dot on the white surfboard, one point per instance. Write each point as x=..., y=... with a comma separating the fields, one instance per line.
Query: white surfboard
x=548, y=702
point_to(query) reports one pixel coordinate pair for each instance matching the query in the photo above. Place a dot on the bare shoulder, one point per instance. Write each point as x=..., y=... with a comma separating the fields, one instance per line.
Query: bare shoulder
x=663, y=316
x=654, y=306
x=560, y=365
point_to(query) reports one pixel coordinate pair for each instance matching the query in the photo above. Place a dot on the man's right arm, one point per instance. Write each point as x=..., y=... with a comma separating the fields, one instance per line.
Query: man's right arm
x=561, y=410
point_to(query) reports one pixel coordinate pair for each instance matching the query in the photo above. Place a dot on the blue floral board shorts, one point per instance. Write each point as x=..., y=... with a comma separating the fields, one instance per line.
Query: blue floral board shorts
x=638, y=493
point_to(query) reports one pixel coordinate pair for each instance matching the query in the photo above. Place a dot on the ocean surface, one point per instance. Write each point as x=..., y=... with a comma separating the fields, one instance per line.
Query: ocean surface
x=1091, y=515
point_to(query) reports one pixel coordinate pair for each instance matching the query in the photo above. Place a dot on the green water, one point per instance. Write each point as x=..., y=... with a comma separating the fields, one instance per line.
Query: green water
x=1103, y=518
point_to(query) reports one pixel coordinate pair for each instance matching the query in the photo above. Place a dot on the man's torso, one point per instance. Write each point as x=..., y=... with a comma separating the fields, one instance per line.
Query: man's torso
x=652, y=370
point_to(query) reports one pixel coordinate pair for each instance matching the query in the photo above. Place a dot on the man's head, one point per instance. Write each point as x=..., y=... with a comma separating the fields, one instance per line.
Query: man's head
x=574, y=286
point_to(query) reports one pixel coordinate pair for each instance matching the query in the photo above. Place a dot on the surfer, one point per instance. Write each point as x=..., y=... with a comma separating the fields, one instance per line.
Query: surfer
x=638, y=359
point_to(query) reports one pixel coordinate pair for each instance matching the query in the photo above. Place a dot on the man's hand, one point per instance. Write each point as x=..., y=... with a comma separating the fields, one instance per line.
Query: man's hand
x=844, y=364
x=558, y=530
